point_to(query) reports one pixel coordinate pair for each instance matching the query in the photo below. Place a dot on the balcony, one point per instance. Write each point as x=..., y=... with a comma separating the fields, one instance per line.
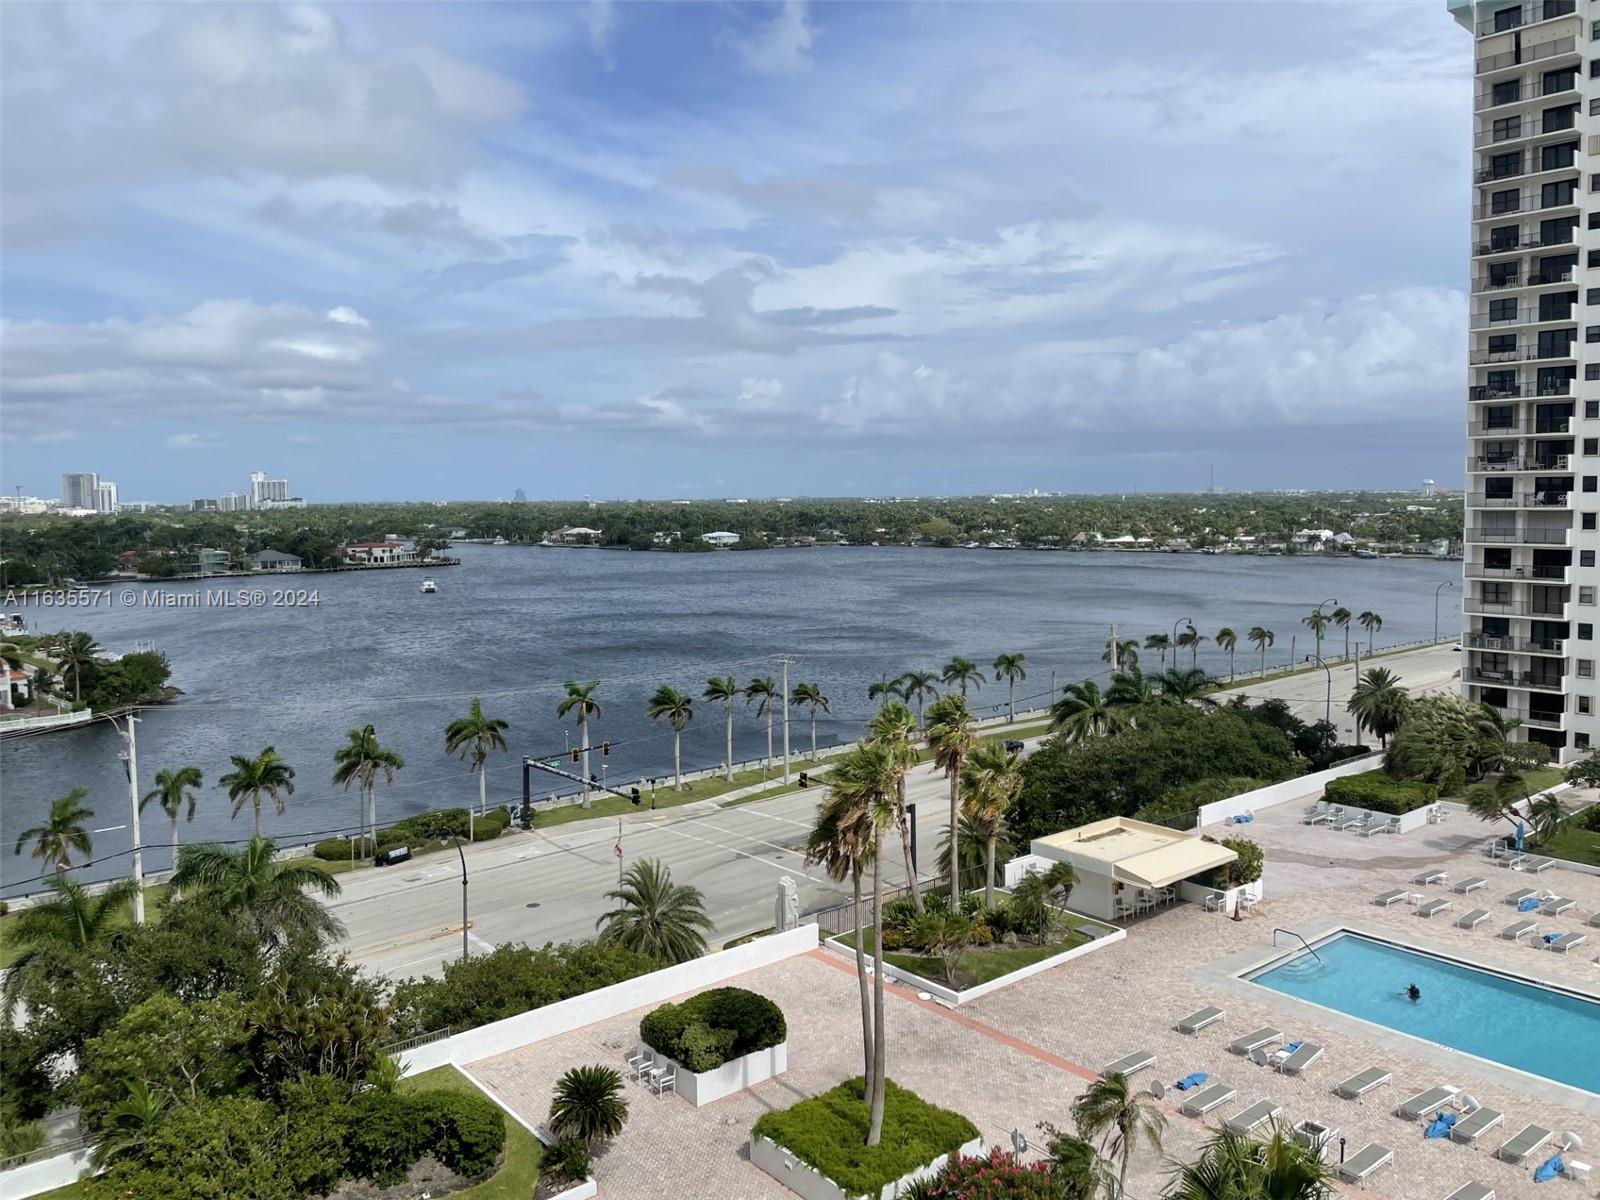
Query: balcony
x=1527, y=535
x=1530, y=90
x=1521, y=314
x=1514, y=129
x=1530, y=239
x=1530, y=201
x=1519, y=389
x=1495, y=608
x=1476, y=570
x=1507, y=19
x=1480, y=358
x=1519, y=500
x=1497, y=462
x=1554, y=48
x=1512, y=645
x=1546, y=680
x=1515, y=429
x=1533, y=279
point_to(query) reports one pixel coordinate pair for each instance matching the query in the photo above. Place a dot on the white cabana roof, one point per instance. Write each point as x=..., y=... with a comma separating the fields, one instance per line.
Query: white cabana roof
x=1134, y=852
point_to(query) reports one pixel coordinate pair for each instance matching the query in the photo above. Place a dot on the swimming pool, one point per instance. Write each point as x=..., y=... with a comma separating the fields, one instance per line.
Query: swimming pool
x=1522, y=1025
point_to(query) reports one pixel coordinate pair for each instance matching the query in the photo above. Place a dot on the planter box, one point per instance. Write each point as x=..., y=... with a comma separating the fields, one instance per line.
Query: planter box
x=733, y=1076
x=807, y=1181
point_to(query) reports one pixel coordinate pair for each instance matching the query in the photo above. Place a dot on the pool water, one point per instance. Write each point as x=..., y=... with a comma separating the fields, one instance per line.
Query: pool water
x=1535, y=1029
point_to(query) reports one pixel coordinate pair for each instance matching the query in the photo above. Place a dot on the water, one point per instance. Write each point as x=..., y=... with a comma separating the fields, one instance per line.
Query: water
x=511, y=623
x=1534, y=1029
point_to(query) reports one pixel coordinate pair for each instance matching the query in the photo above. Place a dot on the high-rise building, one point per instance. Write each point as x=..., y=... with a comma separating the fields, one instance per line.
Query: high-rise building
x=1530, y=540
x=77, y=491
x=234, y=501
x=105, y=497
x=263, y=489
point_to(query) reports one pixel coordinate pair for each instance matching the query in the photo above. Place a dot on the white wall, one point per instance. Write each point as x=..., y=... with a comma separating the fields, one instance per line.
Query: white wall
x=552, y=1020
x=1297, y=788
x=32, y=1178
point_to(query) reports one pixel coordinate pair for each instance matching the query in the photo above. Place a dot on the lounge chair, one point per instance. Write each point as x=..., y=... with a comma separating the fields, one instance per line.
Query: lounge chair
x=1518, y=930
x=1315, y=815
x=1130, y=1064
x=1196, y=1021
x=1428, y=908
x=1360, y=1166
x=1554, y=906
x=1425, y=1104
x=1535, y=863
x=1362, y=1082
x=1525, y=1145
x=1517, y=897
x=1595, y=920
x=1392, y=896
x=1252, y=1118
x=1255, y=1039
x=1204, y=1101
x=1392, y=825
x=1567, y=941
x=1471, y=1191
x=1511, y=859
x=1467, y=886
x=1475, y=1124
x=1345, y=821
x=1471, y=920
x=1299, y=1060
x=1432, y=875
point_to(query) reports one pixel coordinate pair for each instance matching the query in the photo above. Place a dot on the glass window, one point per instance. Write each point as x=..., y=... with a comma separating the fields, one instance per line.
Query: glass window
x=1583, y=706
x=1505, y=343
x=1592, y=296
x=1509, y=90
x=1586, y=558
x=1507, y=201
x=1585, y=631
x=1588, y=520
x=1590, y=334
x=1505, y=128
x=1503, y=166
x=1581, y=740
x=1586, y=595
x=1586, y=668
x=1591, y=370
x=1591, y=445
x=1589, y=485
x=1591, y=409
x=1502, y=310
x=1552, y=158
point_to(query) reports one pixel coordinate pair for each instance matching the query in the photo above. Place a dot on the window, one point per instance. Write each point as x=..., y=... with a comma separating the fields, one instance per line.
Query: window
x=1594, y=220
x=1586, y=668
x=1588, y=520
x=1508, y=18
x=1502, y=310
x=1553, y=195
x=1591, y=370
x=1591, y=445
x=1586, y=558
x=1594, y=31
x=1593, y=260
x=1555, y=343
x=1591, y=409
x=1510, y=90
x=1591, y=333
x=1592, y=296
x=1553, y=158
x=1586, y=595
x=1508, y=201
x=1594, y=68
x=1585, y=632
x=1583, y=705
x=1505, y=343
x=1505, y=128
x=1581, y=740
x=1589, y=482
x=1504, y=166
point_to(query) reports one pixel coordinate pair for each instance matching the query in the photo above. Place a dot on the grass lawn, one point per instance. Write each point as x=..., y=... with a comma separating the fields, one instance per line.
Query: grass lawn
x=605, y=805
x=1574, y=843
x=979, y=964
x=520, y=1170
x=155, y=898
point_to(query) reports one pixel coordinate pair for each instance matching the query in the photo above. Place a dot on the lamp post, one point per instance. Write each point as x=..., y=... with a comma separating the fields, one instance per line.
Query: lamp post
x=1446, y=584
x=465, y=945
x=911, y=822
x=1180, y=621
x=1327, y=711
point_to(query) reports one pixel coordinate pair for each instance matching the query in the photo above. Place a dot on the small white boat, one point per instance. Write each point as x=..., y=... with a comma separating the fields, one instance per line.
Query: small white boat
x=499, y=541
x=429, y=586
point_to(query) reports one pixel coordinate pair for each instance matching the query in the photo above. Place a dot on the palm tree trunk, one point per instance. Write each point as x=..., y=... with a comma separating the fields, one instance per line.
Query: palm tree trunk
x=1230, y=664
x=677, y=761
x=813, y=734
x=769, y=739
x=729, y=764
x=583, y=730
x=483, y=790
x=875, y=1117
x=905, y=844
x=1011, y=702
x=258, y=814
x=988, y=873
x=866, y=996
x=955, y=857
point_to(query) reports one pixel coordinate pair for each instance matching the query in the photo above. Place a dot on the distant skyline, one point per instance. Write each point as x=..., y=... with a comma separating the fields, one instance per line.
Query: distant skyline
x=421, y=251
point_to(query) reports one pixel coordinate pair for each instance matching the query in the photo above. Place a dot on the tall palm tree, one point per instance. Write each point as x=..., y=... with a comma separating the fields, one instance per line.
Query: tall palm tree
x=1341, y=617
x=62, y=832
x=1379, y=703
x=1371, y=622
x=1185, y=687
x=724, y=690
x=1191, y=637
x=1161, y=642
x=1261, y=638
x=251, y=778
x=893, y=727
x=917, y=686
x=886, y=689
x=972, y=843
x=1227, y=640
x=655, y=916
x=75, y=652
x=1112, y=1111
x=1083, y=712
x=1132, y=691
x=962, y=673
x=71, y=918
x=1232, y=1165
x=991, y=778
x=763, y=693
x=1124, y=651
x=950, y=739
x=472, y=737
x=1009, y=667
x=359, y=762
x=1317, y=622
x=678, y=709
x=272, y=897
x=810, y=695
x=172, y=792
x=580, y=701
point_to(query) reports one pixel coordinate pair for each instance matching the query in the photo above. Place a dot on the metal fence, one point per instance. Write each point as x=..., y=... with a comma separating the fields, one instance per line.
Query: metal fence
x=835, y=919
x=49, y=1150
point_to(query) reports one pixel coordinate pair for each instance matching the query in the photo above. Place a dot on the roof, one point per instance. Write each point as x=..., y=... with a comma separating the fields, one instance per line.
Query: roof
x=1135, y=852
x=274, y=555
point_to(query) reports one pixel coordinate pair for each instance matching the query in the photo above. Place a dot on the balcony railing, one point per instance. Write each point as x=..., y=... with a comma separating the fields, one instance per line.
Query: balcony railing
x=1512, y=128
x=1517, y=574
x=1553, y=48
x=1519, y=389
x=1532, y=201
x=1537, y=536
x=1506, y=19
x=1518, y=500
x=1526, y=240
x=1520, y=314
x=1479, y=358
x=1495, y=608
x=1550, y=680
x=1511, y=645
x=1532, y=164
x=1531, y=89
x=1533, y=279
x=1515, y=429
x=1497, y=462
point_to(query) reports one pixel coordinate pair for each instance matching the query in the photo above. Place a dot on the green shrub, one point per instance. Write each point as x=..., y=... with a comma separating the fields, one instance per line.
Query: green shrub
x=1245, y=869
x=998, y=1176
x=714, y=1027
x=337, y=849
x=567, y=1161
x=830, y=1132
x=467, y=1132
x=390, y=1132
x=1378, y=792
x=1177, y=807
x=1591, y=818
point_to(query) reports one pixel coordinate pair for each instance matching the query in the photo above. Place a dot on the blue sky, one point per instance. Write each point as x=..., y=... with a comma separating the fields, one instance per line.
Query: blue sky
x=447, y=251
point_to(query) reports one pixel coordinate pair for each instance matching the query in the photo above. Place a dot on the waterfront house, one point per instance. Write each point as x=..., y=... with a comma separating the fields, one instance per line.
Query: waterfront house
x=378, y=554
x=572, y=535
x=721, y=538
x=274, y=560
x=202, y=560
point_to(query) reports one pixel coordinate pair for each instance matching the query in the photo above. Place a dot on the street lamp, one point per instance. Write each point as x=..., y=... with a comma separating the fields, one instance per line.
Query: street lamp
x=1180, y=621
x=1327, y=710
x=464, y=942
x=1446, y=584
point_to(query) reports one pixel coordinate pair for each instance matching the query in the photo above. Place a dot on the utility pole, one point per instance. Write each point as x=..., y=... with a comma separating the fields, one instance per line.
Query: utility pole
x=131, y=763
x=785, y=660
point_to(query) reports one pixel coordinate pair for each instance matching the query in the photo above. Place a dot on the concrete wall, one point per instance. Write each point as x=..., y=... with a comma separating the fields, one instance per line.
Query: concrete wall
x=32, y=1178
x=704, y=1087
x=1297, y=788
x=552, y=1020
x=806, y=1181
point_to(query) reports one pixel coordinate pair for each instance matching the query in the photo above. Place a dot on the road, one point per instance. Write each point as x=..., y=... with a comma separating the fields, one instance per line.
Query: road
x=550, y=886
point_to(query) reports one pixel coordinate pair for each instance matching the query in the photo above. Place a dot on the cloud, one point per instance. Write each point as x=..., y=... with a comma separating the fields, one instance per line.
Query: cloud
x=782, y=46
x=602, y=24
x=758, y=394
x=191, y=441
x=539, y=253
x=345, y=315
x=420, y=223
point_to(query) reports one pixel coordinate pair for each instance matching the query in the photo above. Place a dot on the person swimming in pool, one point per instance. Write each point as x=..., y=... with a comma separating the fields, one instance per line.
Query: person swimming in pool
x=1413, y=993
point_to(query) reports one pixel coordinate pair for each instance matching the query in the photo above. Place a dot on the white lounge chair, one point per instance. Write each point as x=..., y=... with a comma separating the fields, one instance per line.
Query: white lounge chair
x=1527, y=1143
x=1475, y=1124
x=1517, y=897
x=1471, y=1191
x=1392, y=825
x=1315, y=815
x=1365, y=1162
x=1196, y=1021
x=1430, y=907
x=1518, y=930
x=1425, y=1104
x=1472, y=919
x=1252, y=1118
x=1567, y=941
x=1131, y=1064
x=1362, y=1082
x=1595, y=920
x=1511, y=859
x=1554, y=906
x=1392, y=896
x=1535, y=863
x=1467, y=886
x=1255, y=1039
x=1432, y=875
x=1204, y=1101
x=1299, y=1060
x=663, y=1078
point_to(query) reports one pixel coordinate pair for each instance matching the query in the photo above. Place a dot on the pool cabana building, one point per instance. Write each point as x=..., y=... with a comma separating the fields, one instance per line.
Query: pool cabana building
x=1123, y=864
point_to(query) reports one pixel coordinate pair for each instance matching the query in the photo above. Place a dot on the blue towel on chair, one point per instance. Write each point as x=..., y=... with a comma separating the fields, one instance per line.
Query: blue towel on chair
x=1553, y=1166
x=1550, y=937
x=1527, y=905
x=1191, y=1081
x=1291, y=1047
x=1440, y=1128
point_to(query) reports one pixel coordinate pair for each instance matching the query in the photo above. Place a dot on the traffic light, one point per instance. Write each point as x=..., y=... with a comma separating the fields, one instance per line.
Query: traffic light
x=804, y=781
x=633, y=794
x=575, y=753
x=605, y=749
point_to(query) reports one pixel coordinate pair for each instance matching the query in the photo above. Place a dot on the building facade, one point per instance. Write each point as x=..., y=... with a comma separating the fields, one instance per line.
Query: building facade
x=77, y=490
x=105, y=497
x=1533, y=397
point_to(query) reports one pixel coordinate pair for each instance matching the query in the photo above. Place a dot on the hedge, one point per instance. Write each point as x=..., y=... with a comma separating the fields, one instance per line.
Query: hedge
x=714, y=1027
x=419, y=830
x=1377, y=792
x=1246, y=868
x=830, y=1133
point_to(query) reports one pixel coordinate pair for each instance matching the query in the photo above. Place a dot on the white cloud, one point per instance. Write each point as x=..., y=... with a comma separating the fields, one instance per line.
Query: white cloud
x=190, y=441
x=345, y=315
x=602, y=24
x=758, y=394
x=781, y=47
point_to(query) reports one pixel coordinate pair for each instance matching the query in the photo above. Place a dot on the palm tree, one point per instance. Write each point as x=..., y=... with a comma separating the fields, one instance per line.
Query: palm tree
x=950, y=739
x=1161, y=642
x=1261, y=638
x=72, y=918
x=1371, y=622
x=893, y=727
x=1184, y=687
x=1317, y=622
x=991, y=778
x=885, y=690
x=655, y=916
x=1083, y=712
x=1191, y=637
x=172, y=792
x=1546, y=814
x=1132, y=690
x=75, y=652
x=1037, y=893
x=61, y=833
x=1009, y=667
x=972, y=840
x=588, y=1104
x=1124, y=652
x=724, y=690
x=1341, y=617
x=917, y=686
x=763, y=693
x=271, y=896
x=130, y=1122
x=580, y=700
x=1231, y=1165
x=1379, y=703
x=1112, y=1111
x=962, y=673
x=359, y=762
x=473, y=736
x=678, y=708
x=810, y=695
x=251, y=778
x=1227, y=640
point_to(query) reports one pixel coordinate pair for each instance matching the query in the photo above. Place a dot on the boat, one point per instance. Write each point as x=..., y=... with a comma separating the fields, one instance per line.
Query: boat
x=429, y=586
x=1364, y=553
x=499, y=541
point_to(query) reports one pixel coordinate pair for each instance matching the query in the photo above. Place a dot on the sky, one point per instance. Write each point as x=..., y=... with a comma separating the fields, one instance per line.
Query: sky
x=447, y=251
